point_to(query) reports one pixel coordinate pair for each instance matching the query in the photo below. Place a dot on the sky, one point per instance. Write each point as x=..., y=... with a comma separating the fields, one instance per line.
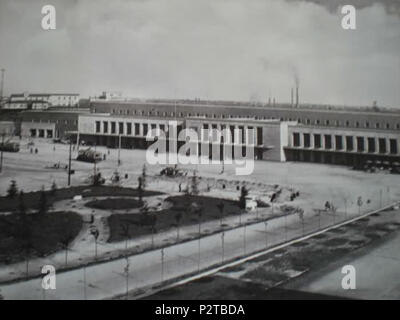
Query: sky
x=208, y=49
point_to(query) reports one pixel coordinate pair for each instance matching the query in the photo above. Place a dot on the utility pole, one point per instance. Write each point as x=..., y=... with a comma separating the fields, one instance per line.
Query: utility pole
x=1, y=156
x=126, y=271
x=198, y=255
x=162, y=264
x=266, y=234
x=94, y=163
x=119, y=150
x=69, y=162
x=84, y=283
x=2, y=84
x=223, y=245
x=244, y=239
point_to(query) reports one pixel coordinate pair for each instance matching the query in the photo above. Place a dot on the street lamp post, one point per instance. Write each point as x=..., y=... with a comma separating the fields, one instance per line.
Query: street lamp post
x=223, y=245
x=162, y=264
x=266, y=234
x=1, y=155
x=244, y=239
x=69, y=162
x=84, y=283
x=126, y=271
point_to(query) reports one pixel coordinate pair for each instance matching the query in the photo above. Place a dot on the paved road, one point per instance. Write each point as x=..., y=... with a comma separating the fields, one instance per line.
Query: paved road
x=148, y=269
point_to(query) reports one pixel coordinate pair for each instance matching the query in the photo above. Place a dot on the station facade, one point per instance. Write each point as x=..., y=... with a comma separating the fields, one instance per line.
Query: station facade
x=320, y=134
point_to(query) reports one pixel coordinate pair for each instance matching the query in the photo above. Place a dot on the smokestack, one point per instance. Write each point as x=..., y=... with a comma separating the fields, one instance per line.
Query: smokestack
x=297, y=96
x=269, y=101
x=291, y=97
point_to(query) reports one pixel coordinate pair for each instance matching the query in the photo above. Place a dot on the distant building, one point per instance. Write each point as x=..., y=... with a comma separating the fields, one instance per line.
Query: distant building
x=40, y=101
x=8, y=128
x=49, y=123
x=309, y=133
x=111, y=95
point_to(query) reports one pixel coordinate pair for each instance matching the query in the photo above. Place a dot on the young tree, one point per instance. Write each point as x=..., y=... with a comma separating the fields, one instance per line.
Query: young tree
x=53, y=188
x=66, y=242
x=194, y=184
x=140, y=188
x=21, y=205
x=242, y=199
x=125, y=232
x=97, y=179
x=43, y=205
x=144, y=176
x=12, y=189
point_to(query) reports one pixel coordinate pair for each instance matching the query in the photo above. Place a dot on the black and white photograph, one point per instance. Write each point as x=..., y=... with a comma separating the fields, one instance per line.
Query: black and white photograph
x=199, y=150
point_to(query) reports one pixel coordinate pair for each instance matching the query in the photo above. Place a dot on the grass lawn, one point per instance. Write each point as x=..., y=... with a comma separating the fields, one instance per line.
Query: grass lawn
x=114, y=203
x=182, y=206
x=31, y=199
x=40, y=235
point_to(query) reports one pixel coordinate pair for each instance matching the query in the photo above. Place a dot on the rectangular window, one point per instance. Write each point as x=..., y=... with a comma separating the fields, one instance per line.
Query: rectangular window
x=382, y=145
x=145, y=128
x=121, y=128
x=232, y=130
x=360, y=144
x=97, y=126
x=339, y=142
x=393, y=146
x=349, y=143
x=307, y=140
x=328, y=141
x=317, y=141
x=128, y=128
x=137, y=129
x=260, y=136
x=296, y=139
x=113, y=127
x=371, y=145
x=105, y=126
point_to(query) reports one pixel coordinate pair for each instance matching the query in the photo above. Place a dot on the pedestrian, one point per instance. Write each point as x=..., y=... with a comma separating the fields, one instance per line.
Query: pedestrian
x=180, y=187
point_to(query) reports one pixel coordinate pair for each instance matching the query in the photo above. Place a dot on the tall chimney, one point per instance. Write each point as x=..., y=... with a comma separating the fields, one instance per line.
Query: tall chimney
x=291, y=97
x=297, y=96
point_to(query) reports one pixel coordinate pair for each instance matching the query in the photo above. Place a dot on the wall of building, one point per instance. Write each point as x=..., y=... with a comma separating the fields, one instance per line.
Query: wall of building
x=64, y=121
x=342, y=146
x=307, y=116
x=8, y=128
